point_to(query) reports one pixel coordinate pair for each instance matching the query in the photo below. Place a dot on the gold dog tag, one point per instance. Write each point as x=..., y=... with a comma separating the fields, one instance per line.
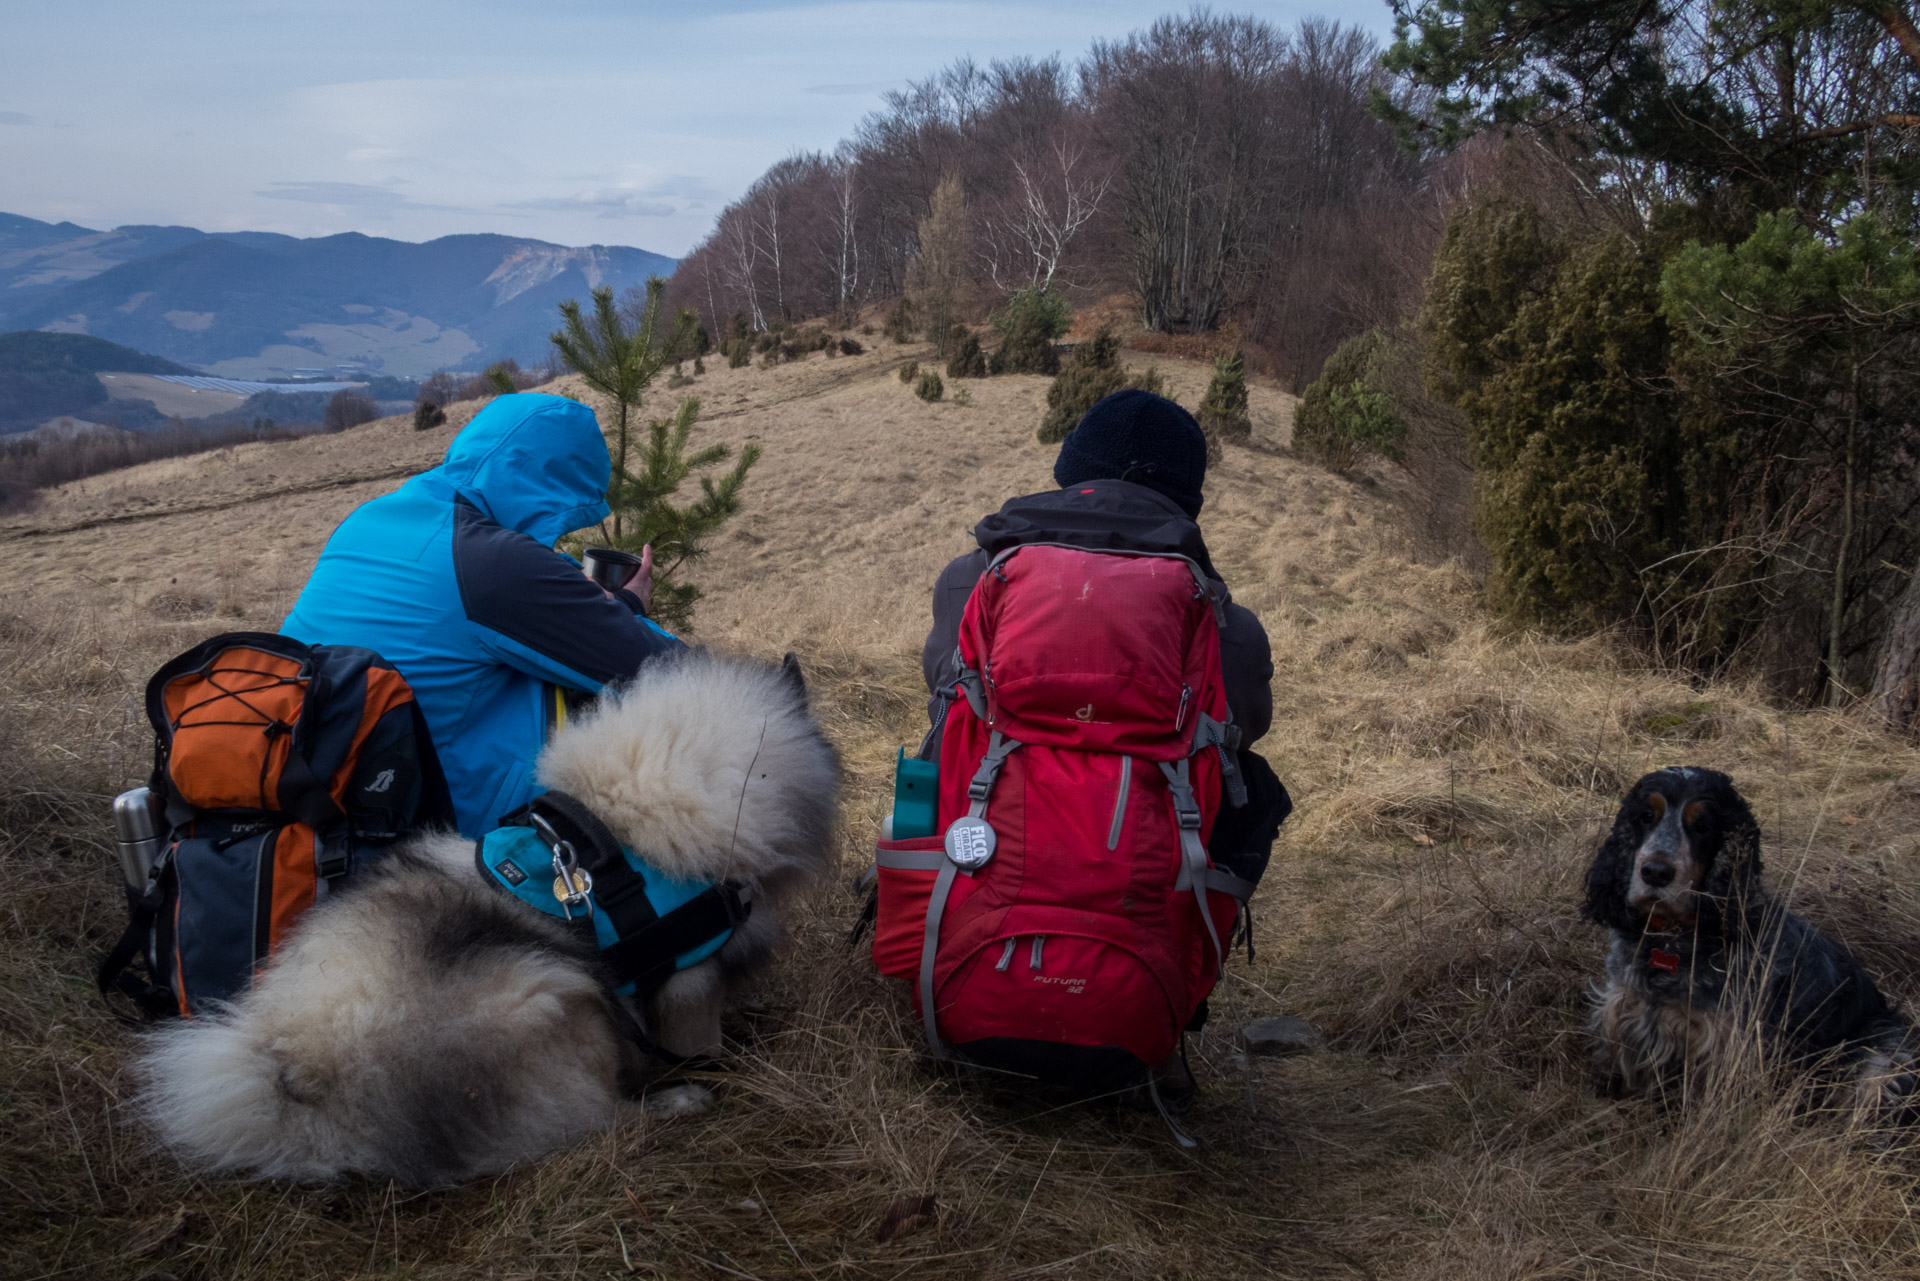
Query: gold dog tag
x=581, y=884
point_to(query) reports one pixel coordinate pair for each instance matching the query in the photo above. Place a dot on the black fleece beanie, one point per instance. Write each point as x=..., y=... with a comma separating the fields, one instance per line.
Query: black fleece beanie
x=1138, y=436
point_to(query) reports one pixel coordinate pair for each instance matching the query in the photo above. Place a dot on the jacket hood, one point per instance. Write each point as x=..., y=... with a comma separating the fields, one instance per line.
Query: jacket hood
x=1099, y=515
x=533, y=463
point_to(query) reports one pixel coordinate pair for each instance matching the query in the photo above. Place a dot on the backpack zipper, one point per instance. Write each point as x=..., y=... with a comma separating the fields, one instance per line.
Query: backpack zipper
x=1180, y=718
x=1120, y=802
x=1039, y=943
x=1006, y=957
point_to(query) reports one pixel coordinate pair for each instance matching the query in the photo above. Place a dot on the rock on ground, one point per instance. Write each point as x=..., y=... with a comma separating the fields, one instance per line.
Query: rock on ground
x=1282, y=1034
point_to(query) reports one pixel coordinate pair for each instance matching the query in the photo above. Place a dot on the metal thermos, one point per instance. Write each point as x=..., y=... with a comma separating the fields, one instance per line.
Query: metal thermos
x=609, y=566
x=137, y=820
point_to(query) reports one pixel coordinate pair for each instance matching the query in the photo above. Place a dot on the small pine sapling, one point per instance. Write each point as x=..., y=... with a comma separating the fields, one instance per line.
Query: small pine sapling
x=928, y=386
x=620, y=361
x=678, y=535
x=909, y=372
x=1223, y=411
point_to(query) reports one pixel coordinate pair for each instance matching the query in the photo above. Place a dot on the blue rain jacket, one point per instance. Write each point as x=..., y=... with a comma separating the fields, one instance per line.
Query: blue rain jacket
x=453, y=579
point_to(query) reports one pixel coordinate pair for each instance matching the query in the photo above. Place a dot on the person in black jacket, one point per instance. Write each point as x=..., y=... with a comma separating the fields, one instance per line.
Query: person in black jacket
x=1130, y=477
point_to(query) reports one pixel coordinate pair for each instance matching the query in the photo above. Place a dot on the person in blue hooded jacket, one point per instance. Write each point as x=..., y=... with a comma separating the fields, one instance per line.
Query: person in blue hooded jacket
x=453, y=578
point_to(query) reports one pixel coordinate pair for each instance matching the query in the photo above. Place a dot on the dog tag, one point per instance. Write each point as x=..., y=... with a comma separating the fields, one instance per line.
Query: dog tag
x=582, y=883
x=970, y=842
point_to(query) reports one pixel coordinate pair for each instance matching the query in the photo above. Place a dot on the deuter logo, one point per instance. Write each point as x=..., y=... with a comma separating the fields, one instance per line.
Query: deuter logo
x=1075, y=987
x=381, y=782
x=1083, y=713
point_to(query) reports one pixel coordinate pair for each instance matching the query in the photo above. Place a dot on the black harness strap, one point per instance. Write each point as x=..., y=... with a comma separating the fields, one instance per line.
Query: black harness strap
x=646, y=958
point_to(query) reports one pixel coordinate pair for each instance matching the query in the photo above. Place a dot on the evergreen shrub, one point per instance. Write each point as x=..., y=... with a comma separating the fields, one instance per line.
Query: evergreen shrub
x=1032, y=321
x=967, y=361
x=1223, y=410
x=1089, y=375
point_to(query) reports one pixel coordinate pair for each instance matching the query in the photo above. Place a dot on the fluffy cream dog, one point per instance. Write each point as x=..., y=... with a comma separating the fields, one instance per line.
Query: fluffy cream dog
x=425, y=1026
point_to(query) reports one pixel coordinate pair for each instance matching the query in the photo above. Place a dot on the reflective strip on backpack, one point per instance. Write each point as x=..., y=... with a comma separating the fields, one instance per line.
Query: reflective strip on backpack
x=910, y=860
x=1120, y=802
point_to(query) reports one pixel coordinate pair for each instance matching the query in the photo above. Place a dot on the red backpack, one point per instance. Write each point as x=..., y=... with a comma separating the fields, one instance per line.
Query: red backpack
x=1067, y=923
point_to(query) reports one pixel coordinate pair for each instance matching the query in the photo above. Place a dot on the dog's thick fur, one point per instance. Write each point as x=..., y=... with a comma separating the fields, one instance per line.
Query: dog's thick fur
x=1702, y=955
x=424, y=1026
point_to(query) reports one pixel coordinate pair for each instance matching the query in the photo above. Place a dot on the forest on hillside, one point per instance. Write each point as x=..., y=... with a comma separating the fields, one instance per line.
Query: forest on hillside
x=1625, y=292
x=1219, y=168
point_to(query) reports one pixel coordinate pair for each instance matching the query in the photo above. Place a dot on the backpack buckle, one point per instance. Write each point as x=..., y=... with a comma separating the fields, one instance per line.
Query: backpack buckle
x=332, y=862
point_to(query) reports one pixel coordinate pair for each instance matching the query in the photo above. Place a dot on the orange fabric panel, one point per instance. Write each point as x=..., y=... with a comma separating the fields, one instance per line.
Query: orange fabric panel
x=293, y=882
x=223, y=756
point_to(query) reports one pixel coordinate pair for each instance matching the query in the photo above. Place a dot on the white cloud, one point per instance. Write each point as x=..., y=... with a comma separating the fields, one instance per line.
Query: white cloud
x=605, y=203
x=367, y=198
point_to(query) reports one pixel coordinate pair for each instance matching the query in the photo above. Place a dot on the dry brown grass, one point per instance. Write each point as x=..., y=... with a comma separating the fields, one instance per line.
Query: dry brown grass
x=1421, y=908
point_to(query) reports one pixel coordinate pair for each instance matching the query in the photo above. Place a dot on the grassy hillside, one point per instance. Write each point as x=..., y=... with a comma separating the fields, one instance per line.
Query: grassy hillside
x=42, y=375
x=1451, y=781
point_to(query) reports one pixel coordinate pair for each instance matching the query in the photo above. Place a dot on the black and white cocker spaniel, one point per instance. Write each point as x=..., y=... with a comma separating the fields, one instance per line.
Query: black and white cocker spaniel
x=1702, y=955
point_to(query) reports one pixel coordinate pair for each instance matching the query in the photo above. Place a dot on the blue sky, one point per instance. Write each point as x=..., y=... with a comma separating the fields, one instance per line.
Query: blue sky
x=576, y=121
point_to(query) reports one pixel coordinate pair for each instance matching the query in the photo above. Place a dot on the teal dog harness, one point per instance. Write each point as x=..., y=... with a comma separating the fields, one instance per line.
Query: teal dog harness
x=555, y=856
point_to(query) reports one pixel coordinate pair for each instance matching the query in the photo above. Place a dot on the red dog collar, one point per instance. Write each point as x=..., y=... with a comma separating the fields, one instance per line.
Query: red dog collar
x=1668, y=961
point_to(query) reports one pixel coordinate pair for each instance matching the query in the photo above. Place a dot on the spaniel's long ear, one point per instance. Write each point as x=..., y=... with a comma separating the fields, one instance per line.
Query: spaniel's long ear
x=1612, y=872
x=1732, y=887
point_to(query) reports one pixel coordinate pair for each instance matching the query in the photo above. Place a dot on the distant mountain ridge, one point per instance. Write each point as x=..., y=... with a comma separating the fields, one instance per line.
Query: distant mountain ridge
x=261, y=305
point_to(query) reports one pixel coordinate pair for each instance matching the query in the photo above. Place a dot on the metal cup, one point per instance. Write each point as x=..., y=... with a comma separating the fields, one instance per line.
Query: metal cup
x=609, y=567
x=137, y=822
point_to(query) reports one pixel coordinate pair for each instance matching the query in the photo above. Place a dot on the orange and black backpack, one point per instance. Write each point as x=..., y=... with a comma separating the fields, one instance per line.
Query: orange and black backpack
x=280, y=769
